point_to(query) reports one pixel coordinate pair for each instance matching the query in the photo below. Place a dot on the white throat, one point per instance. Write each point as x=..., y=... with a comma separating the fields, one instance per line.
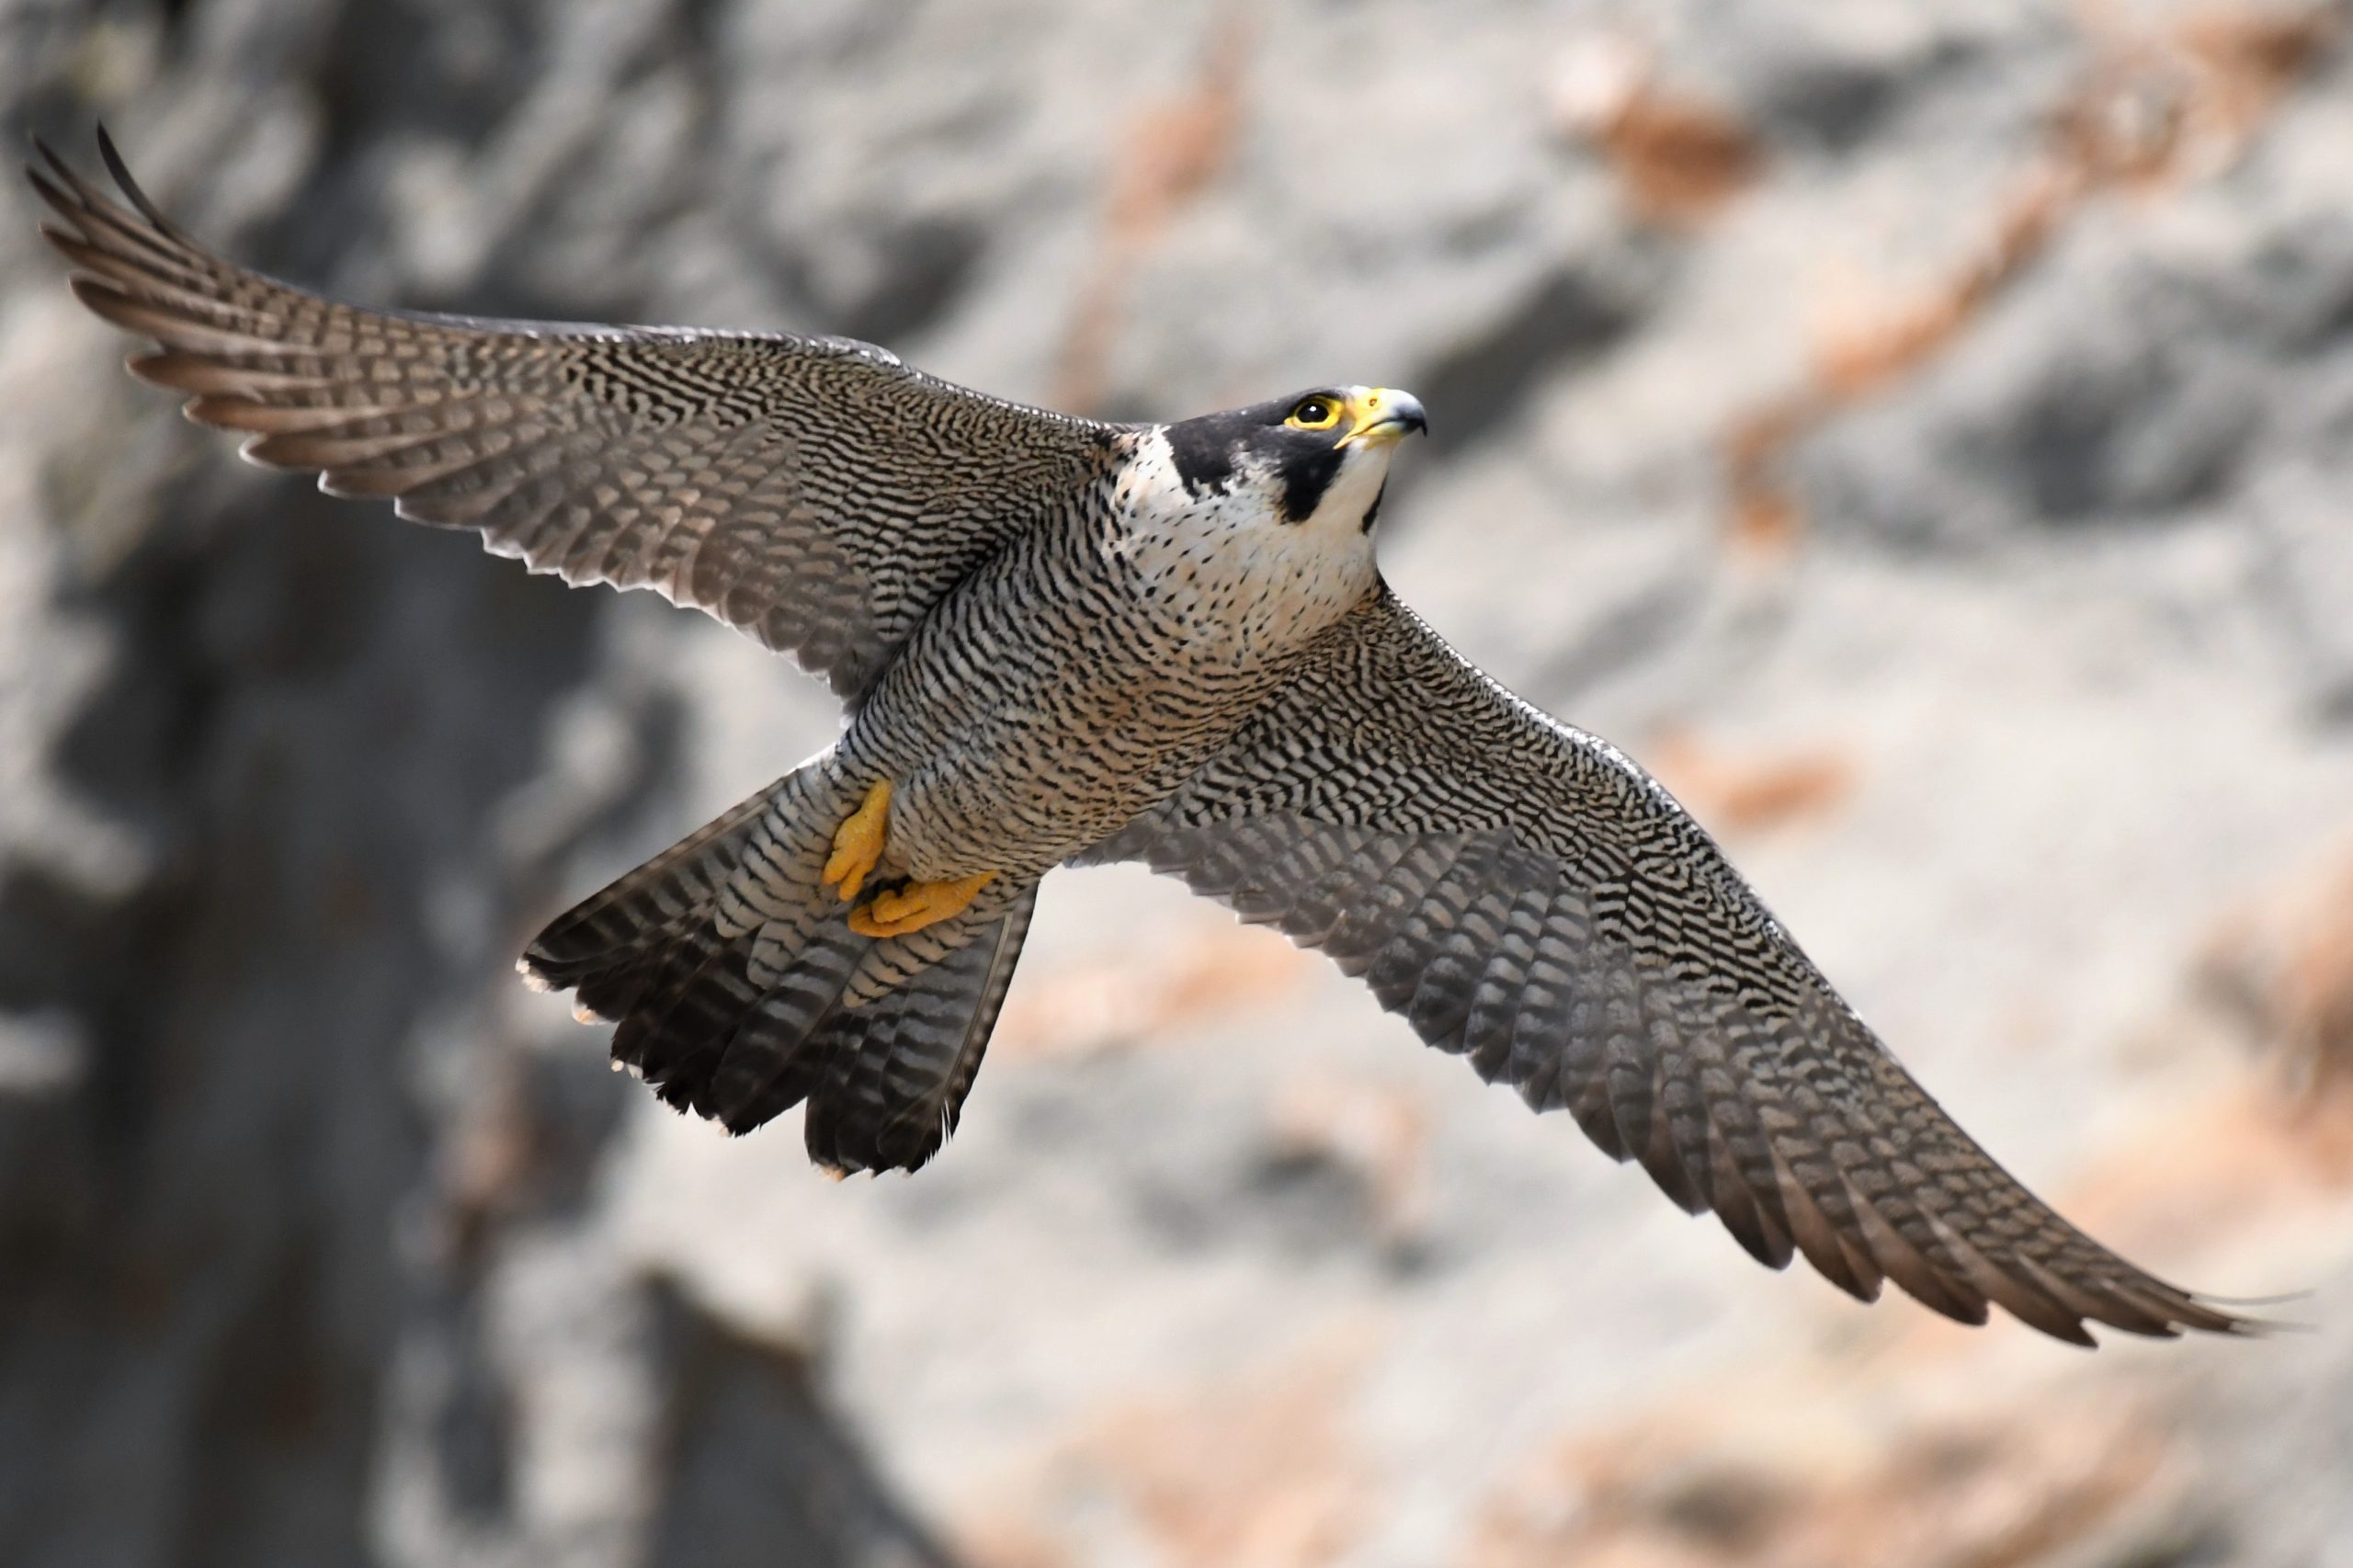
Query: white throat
x=1227, y=562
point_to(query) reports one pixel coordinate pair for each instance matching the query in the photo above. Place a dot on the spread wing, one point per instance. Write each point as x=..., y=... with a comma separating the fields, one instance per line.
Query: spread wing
x=1529, y=898
x=815, y=492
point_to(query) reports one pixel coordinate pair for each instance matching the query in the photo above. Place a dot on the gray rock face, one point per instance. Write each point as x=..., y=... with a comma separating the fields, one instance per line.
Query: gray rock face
x=1921, y=432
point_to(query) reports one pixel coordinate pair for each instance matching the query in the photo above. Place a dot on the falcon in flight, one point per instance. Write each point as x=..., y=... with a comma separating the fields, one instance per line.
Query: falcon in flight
x=1059, y=642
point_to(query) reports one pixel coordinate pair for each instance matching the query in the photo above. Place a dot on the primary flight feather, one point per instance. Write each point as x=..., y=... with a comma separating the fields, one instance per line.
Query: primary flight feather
x=1060, y=642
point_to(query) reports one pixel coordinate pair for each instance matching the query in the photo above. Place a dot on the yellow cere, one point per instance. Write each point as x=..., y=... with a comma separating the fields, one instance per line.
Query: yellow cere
x=1364, y=412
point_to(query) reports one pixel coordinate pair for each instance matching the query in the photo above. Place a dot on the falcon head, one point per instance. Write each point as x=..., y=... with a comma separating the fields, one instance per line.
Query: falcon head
x=1319, y=457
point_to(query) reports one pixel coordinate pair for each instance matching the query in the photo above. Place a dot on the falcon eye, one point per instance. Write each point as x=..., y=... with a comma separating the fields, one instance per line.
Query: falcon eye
x=1315, y=414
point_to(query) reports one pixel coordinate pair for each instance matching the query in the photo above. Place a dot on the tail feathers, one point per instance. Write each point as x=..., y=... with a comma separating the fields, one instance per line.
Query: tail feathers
x=884, y=1077
x=740, y=1021
x=903, y=1062
x=775, y=1055
x=709, y=1038
x=659, y=897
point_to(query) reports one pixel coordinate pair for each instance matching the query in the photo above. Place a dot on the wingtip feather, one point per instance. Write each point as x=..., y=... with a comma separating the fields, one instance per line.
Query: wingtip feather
x=112, y=157
x=57, y=165
x=59, y=203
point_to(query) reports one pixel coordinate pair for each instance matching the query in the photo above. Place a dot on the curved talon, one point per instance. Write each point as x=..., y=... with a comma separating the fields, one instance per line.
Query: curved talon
x=859, y=843
x=916, y=905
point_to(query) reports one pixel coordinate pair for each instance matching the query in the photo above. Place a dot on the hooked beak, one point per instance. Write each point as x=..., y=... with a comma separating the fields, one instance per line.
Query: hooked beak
x=1380, y=416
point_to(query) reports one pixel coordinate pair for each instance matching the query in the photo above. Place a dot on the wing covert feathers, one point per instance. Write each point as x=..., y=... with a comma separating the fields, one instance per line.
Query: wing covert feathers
x=814, y=493
x=1529, y=899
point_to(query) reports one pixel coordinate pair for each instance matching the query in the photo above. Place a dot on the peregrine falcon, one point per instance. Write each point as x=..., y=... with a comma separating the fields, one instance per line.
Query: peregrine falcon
x=1059, y=642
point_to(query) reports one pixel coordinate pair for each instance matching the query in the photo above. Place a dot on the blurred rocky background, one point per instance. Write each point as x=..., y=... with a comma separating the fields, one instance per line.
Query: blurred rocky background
x=1922, y=430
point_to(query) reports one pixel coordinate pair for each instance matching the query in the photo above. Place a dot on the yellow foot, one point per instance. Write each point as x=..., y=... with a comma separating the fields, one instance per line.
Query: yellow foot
x=857, y=843
x=916, y=905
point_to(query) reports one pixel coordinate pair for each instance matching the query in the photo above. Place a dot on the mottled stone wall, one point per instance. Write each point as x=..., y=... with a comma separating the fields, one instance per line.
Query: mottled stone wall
x=1919, y=431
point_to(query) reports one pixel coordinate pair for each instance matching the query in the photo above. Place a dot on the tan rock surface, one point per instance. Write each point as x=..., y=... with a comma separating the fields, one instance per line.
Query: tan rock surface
x=1921, y=431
